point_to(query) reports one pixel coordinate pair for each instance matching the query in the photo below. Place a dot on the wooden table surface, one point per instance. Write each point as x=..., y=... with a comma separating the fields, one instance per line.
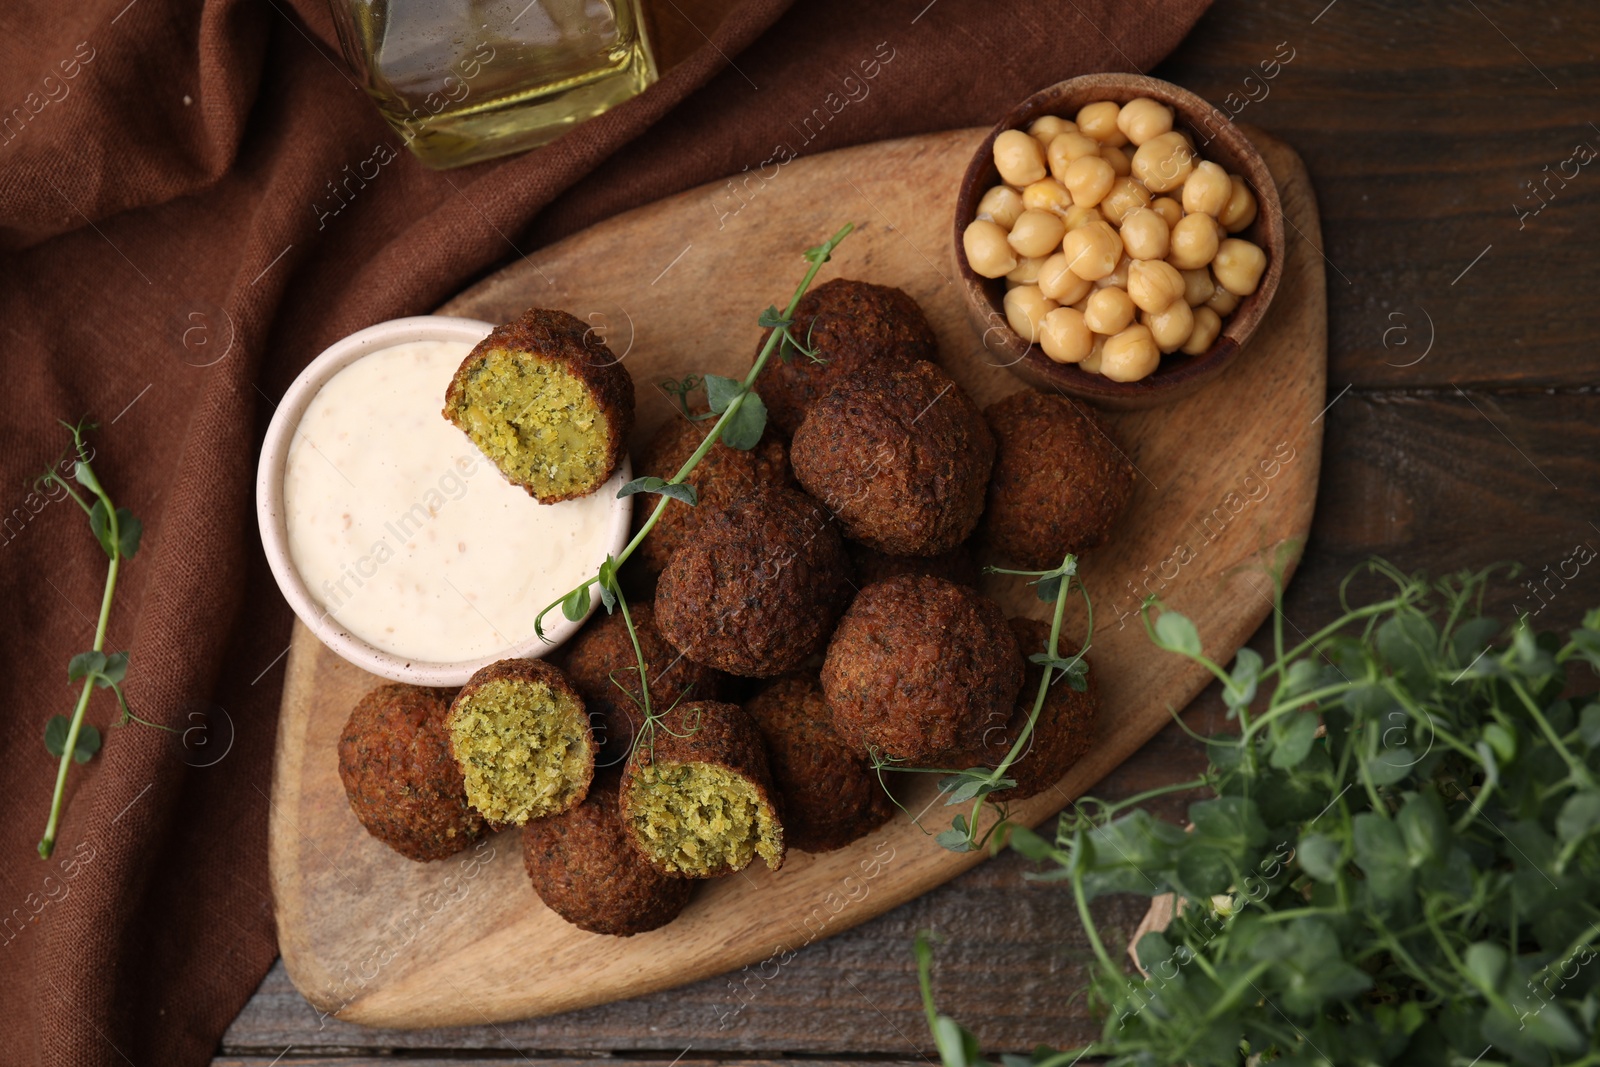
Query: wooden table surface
x=1463, y=429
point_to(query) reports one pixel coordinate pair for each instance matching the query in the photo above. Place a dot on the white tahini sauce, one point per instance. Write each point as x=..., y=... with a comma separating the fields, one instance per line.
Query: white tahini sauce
x=406, y=534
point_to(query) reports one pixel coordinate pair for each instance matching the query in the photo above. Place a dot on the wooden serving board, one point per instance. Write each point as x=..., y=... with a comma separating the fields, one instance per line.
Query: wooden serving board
x=1228, y=479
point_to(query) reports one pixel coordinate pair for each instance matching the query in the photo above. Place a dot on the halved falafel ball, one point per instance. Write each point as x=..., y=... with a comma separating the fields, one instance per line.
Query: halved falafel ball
x=758, y=589
x=521, y=736
x=583, y=865
x=1064, y=730
x=724, y=474
x=547, y=402
x=902, y=457
x=1059, y=482
x=403, y=784
x=603, y=655
x=852, y=327
x=918, y=666
x=831, y=796
x=697, y=795
x=872, y=566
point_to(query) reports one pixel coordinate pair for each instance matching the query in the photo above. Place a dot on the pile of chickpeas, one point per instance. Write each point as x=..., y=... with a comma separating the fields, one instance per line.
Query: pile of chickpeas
x=1112, y=260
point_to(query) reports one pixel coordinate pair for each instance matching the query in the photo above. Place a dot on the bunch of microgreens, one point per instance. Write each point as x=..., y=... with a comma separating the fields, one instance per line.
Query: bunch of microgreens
x=1420, y=885
x=72, y=739
x=974, y=784
x=741, y=420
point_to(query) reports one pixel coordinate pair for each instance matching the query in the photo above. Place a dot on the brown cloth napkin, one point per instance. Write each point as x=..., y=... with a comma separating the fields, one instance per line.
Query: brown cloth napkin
x=170, y=262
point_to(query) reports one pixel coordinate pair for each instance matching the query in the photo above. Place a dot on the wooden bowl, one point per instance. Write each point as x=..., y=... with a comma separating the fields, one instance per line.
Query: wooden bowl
x=1216, y=139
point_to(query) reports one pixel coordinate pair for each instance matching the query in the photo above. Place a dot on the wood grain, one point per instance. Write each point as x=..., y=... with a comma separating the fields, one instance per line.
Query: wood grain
x=1229, y=475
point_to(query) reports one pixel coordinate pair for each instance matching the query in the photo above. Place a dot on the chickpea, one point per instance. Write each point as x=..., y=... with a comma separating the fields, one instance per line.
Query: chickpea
x=1045, y=128
x=1092, y=250
x=1036, y=233
x=1026, y=272
x=1069, y=146
x=1171, y=326
x=1144, y=119
x=1241, y=208
x=1169, y=210
x=1099, y=121
x=1120, y=163
x=1153, y=284
x=1239, y=266
x=1026, y=308
x=1126, y=194
x=1130, y=355
x=1197, y=286
x=1222, y=302
x=989, y=254
x=1002, y=205
x=1207, y=190
x=1046, y=194
x=1089, y=179
x=1164, y=162
x=1207, y=324
x=1117, y=278
x=1145, y=234
x=1060, y=284
x=1018, y=158
x=1078, y=215
x=1091, y=362
x=1109, y=311
x=1065, y=337
x=1194, y=242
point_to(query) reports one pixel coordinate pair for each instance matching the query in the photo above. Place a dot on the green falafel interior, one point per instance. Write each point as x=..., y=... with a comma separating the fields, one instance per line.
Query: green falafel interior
x=524, y=749
x=535, y=420
x=700, y=819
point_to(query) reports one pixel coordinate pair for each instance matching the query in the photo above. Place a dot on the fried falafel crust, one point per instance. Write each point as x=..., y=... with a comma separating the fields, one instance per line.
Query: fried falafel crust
x=831, y=796
x=1063, y=733
x=584, y=866
x=604, y=647
x=724, y=475
x=403, y=784
x=708, y=732
x=854, y=327
x=569, y=341
x=918, y=666
x=902, y=457
x=759, y=590
x=1060, y=480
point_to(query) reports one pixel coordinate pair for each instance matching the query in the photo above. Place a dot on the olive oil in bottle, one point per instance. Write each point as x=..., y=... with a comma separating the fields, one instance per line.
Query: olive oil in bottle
x=462, y=81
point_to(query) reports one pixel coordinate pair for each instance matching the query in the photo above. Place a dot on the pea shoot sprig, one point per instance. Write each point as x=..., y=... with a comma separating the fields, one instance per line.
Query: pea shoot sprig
x=741, y=419
x=118, y=532
x=976, y=783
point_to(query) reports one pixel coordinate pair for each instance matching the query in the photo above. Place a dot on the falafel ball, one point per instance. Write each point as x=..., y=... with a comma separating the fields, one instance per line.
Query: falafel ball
x=1060, y=480
x=403, y=784
x=872, y=566
x=831, y=796
x=584, y=867
x=547, y=402
x=697, y=796
x=604, y=649
x=918, y=667
x=521, y=735
x=902, y=457
x=760, y=587
x=1063, y=733
x=852, y=327
x=724, y=474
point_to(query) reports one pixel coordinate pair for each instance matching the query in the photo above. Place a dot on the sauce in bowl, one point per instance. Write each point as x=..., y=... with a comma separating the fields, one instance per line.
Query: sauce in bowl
x=406, y=535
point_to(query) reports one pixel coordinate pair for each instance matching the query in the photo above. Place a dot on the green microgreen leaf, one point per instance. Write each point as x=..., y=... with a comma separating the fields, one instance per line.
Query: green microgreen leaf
x=100, y=523
x=720, y=392
x=649, y=484
x=772, y=318
x=576, y=604
x=129, y=531
x=84, y=475
x=1176, y=633
x=84, y=664
x=745, y=427
x=608, y=584
x=55, y=739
